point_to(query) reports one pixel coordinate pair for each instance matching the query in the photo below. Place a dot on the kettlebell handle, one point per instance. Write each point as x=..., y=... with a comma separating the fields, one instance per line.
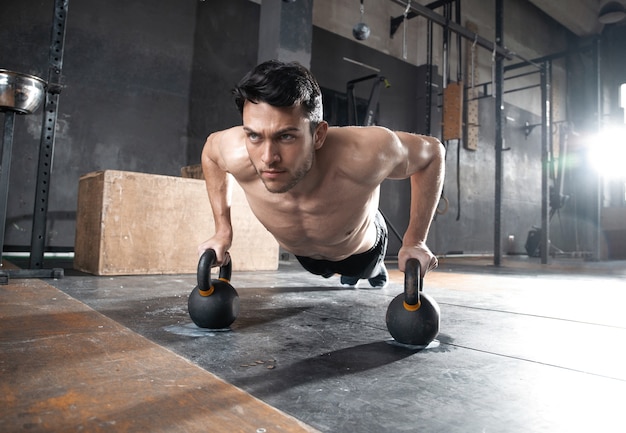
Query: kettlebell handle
x=413, y=283
x=206, y=262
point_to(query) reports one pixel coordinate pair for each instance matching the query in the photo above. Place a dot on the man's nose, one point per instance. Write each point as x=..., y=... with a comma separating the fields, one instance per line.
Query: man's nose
x=270, y=153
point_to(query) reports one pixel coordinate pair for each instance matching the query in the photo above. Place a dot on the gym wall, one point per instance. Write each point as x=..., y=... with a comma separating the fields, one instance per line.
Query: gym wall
x=147, y=81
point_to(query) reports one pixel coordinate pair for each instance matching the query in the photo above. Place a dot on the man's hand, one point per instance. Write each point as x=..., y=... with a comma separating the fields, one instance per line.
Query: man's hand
x=219, y=244
x=421, y=252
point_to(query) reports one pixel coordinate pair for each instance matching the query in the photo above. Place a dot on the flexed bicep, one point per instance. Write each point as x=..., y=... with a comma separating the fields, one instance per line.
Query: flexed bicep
x=421, y=151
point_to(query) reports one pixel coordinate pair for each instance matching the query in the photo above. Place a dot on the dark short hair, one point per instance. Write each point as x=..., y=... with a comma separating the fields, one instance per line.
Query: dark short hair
x=282, y=85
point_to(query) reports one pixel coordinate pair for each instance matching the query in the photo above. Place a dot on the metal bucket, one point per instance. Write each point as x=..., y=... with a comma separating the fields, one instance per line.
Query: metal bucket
x=21, y=93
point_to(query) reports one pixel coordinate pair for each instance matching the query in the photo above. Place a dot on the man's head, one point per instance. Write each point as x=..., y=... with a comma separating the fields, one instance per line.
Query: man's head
x=282, y=85
x=281, y=109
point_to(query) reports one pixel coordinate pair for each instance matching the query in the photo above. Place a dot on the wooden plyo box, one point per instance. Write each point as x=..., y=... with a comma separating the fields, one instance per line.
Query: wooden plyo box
x=135, y=224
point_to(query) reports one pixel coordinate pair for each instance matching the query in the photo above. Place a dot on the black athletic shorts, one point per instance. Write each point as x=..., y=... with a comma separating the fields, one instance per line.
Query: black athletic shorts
x=364, y=265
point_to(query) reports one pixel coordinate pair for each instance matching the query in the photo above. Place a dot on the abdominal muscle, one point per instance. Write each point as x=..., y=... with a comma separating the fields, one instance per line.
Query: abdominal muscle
x=330, y=230
x=326, y=243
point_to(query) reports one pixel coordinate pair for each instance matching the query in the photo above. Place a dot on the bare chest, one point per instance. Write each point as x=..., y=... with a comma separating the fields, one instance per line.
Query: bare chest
x=332, y=223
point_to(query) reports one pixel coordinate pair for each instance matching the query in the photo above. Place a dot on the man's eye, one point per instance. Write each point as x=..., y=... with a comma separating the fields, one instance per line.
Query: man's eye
x=253, y=137
x=286, y=137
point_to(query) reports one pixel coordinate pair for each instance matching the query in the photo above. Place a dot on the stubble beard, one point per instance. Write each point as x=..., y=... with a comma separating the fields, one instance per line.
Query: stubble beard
x=297, y=176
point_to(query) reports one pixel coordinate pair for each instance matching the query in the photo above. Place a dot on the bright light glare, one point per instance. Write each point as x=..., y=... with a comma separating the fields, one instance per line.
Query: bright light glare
x=607, y=153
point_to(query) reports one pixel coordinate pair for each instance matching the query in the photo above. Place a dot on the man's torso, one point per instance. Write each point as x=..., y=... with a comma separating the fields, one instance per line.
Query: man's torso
x=333, y=221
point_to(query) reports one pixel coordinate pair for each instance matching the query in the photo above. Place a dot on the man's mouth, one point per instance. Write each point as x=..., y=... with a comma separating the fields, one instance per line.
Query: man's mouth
x=271, y=173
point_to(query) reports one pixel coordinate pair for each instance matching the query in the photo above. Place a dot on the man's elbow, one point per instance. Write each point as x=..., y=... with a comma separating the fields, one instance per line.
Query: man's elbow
x=438, y=150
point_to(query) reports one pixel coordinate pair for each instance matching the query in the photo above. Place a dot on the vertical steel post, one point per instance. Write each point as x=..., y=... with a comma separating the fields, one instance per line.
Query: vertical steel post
x=429, y=78
x=597, y=217
x=499, y=112
x=5, y=171
x=286, y=31
x=546, y=132
x=48, y=130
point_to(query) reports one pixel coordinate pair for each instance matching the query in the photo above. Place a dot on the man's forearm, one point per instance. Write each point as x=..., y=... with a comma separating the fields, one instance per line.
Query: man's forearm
x=219, y=192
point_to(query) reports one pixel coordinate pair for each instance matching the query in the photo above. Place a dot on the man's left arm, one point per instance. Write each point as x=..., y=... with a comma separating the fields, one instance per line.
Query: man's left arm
x=426, y=168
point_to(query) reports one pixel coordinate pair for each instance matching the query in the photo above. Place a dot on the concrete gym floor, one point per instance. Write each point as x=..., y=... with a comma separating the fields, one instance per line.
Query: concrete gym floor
x=522, y=348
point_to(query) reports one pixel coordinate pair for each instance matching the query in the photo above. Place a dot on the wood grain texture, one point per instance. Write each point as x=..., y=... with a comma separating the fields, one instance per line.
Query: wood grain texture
x=65, y=367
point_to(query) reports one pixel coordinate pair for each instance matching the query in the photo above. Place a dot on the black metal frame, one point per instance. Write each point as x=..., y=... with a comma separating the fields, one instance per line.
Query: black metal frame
x=5, y=170
x=46, y=152
x=500, y=53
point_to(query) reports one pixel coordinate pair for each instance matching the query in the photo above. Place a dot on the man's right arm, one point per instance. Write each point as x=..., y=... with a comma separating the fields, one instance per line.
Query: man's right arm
x=219, y=191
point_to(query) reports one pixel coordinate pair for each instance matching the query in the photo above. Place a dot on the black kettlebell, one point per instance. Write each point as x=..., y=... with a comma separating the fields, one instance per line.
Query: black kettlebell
x=413, y=316
x=213, y=304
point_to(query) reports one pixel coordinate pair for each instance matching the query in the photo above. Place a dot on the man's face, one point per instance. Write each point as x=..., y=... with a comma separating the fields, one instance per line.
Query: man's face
x=279, y=143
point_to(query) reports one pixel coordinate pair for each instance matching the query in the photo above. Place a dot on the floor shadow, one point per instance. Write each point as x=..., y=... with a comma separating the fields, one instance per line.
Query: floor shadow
x=343, y=362
x=301, y=289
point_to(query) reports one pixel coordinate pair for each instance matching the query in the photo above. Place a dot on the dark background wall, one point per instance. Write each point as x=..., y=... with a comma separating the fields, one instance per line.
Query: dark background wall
x=147, y=81
x=225, y=47
x=125, y=105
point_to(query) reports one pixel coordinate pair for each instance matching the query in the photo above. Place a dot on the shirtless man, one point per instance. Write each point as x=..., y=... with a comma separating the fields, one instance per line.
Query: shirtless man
x=315, y=187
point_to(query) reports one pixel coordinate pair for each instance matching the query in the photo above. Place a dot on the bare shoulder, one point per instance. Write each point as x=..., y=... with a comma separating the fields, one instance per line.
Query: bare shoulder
x=365, y=154
x=377, y=152
x=361, y=134
x=227, y=149
x=367, y=141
